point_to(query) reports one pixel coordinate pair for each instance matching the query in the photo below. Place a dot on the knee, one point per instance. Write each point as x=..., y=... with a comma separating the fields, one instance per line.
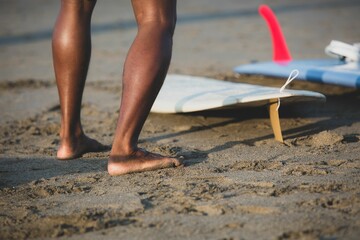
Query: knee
x=160, y=21
x=79, y=6
x=159, y=25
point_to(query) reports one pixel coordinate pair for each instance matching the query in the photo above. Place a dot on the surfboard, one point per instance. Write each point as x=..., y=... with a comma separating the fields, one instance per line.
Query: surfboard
x=340, y=71
x=328, y=71
x=184, y=94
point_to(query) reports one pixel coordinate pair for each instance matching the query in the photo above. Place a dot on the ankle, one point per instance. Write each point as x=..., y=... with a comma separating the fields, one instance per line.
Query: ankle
x=123, y=150
x=69, y=134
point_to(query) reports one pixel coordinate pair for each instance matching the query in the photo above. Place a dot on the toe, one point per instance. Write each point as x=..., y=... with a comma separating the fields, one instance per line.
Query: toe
x=178, y=162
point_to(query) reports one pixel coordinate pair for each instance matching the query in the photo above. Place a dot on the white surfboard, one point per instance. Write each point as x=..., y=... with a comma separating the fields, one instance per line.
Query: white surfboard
x=183, y=93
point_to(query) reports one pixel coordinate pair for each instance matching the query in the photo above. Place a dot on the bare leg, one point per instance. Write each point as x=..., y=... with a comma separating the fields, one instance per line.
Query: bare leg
x=144, y=72
x=71, y=55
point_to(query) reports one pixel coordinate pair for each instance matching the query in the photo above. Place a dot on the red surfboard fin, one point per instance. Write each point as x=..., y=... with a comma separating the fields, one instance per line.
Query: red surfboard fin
x=281, y=53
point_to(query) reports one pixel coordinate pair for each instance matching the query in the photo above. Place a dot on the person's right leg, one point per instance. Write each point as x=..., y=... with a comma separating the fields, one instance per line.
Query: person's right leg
x=144, y=72
x=71, y=45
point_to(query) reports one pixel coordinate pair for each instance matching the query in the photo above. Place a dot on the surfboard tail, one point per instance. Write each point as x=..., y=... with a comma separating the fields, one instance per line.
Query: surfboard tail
x=281, y=53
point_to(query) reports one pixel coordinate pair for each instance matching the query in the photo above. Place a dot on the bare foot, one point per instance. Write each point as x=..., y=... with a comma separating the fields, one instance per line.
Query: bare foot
x=140, y=161
x=76, y=148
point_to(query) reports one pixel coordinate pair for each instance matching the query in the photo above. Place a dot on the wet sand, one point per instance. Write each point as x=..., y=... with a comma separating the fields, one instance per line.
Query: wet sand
x=237, y=182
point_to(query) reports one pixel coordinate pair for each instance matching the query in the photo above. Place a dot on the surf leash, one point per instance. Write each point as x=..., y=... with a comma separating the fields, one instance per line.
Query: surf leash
x=293, y=74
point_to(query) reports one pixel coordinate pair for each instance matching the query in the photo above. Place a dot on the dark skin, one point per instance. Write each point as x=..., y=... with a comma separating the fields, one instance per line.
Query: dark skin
x=145, y=69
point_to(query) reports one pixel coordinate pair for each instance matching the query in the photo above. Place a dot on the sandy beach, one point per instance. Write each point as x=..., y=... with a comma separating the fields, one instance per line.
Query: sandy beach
x=237, y=182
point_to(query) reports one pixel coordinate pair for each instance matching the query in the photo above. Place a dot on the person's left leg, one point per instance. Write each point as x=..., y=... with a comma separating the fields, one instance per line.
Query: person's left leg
x=145, y=69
